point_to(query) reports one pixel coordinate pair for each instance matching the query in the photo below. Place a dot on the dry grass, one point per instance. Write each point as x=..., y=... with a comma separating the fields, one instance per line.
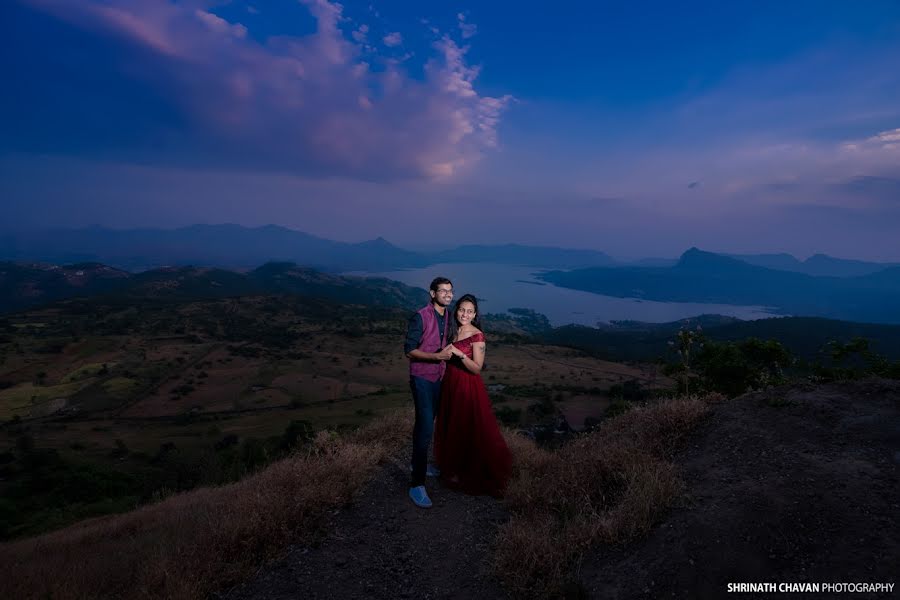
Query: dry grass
x=192, y=544
x=606, y=487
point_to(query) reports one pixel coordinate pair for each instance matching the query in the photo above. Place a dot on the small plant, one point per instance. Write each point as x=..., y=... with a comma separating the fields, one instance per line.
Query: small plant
x=683, y=344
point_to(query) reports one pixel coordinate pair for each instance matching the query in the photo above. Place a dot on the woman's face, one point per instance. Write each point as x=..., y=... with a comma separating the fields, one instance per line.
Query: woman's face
x=465, y=312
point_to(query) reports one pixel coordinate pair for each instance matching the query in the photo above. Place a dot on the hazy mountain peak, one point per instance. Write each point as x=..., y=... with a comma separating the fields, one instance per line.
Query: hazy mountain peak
x=696, y=258
x=694, y=254
x=378, y=242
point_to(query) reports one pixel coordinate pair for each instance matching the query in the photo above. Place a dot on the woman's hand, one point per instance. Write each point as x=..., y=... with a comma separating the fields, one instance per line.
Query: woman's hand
x=456, y=351
x=445, y=353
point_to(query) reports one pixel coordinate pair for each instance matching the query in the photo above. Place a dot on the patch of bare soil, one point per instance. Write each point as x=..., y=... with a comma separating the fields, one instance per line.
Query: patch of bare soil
x=800, y=484
x=384, y=547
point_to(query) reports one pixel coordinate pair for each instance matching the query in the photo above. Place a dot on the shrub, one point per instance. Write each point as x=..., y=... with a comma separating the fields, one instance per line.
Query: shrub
x=853, y=360
x=605, y=487
x=733, y=368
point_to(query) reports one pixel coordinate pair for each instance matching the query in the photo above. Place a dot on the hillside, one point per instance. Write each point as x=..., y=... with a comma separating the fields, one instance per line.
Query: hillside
x=26, y=285
x=797, y=484
x=106, y=402
x=673, y=499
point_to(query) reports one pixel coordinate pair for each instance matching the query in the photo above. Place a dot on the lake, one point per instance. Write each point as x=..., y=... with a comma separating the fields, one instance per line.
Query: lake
x=501, y=287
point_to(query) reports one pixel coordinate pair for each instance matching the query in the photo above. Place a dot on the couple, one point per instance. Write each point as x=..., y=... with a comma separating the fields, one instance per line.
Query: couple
x=446, y=350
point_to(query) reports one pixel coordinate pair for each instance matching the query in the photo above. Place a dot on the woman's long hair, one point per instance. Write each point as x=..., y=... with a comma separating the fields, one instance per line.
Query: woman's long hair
x=454, y=324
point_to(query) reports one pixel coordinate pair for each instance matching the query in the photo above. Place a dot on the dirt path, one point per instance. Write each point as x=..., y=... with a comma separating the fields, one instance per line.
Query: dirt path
x=801, y=485
x=384, y=547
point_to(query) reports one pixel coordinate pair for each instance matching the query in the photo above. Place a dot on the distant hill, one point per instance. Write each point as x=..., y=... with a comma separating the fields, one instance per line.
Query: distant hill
x=27, y=285
x=24, y=285
x=227, y=245
x=375, y=291
x=804, y=336
x=235, y=246
x=238, y=247
x=712, y=278
x=820, y=265
x=781, y=261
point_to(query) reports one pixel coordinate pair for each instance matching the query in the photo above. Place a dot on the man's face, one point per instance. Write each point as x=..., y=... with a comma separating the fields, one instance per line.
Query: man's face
x=444, y=295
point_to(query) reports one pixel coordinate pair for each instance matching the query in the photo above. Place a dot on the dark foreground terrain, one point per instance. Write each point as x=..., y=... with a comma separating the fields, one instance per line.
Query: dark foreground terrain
x=796, y=484
x=384, y=547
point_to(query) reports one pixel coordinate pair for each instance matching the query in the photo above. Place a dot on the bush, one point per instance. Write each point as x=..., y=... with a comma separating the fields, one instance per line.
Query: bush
x=853, y=360
x=733, y=368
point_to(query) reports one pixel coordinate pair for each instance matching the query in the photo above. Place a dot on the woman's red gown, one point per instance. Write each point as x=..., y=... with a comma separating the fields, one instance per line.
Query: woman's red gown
x=468, y=445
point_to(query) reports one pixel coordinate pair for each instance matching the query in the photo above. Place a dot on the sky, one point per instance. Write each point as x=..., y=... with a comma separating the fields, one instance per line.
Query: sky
x=636, y=128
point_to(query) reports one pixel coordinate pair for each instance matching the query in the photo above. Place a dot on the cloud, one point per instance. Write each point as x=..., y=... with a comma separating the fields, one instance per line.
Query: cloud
x=467, y=30
x=887, y=138
x=173, y=83
x=220, y=25
x=393, y=39
x=359, y=35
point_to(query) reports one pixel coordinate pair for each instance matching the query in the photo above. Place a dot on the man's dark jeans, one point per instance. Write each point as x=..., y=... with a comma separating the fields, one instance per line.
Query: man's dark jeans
x=426, y=396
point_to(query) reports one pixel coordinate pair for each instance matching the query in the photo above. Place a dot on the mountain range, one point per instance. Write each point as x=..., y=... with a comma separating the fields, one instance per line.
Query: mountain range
x=701, y=276
x=237, y=247
x=820, y=265
x=102, y=260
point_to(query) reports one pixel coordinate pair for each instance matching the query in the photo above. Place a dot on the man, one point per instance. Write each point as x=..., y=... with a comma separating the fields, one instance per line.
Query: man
x=426, y=342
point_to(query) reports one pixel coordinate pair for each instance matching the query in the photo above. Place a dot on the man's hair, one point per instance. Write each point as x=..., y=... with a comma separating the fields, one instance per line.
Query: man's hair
x=438, y=281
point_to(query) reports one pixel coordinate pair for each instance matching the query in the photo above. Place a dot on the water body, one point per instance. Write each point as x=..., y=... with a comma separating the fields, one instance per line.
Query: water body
x=501, y=287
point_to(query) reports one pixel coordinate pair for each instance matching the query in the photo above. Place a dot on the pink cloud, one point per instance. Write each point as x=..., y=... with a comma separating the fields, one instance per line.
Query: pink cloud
x=307, y=104
x=393, y=39
x=220, y=25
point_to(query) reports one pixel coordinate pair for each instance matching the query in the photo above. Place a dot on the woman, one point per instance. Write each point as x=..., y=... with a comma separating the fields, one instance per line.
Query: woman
x=468, y=445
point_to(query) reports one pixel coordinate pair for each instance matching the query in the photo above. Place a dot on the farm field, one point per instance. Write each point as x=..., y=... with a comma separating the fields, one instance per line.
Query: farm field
x=164, y=396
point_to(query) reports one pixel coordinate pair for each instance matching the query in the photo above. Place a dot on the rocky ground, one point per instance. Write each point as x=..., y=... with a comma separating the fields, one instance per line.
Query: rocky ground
x=384, y=547
x=798, y=484
x=792, y=485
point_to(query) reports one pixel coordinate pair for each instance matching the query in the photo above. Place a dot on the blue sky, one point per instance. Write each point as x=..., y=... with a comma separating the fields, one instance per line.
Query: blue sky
x=635, y=128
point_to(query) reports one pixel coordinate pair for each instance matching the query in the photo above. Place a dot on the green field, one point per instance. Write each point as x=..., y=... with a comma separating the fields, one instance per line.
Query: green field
x=109, y=405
